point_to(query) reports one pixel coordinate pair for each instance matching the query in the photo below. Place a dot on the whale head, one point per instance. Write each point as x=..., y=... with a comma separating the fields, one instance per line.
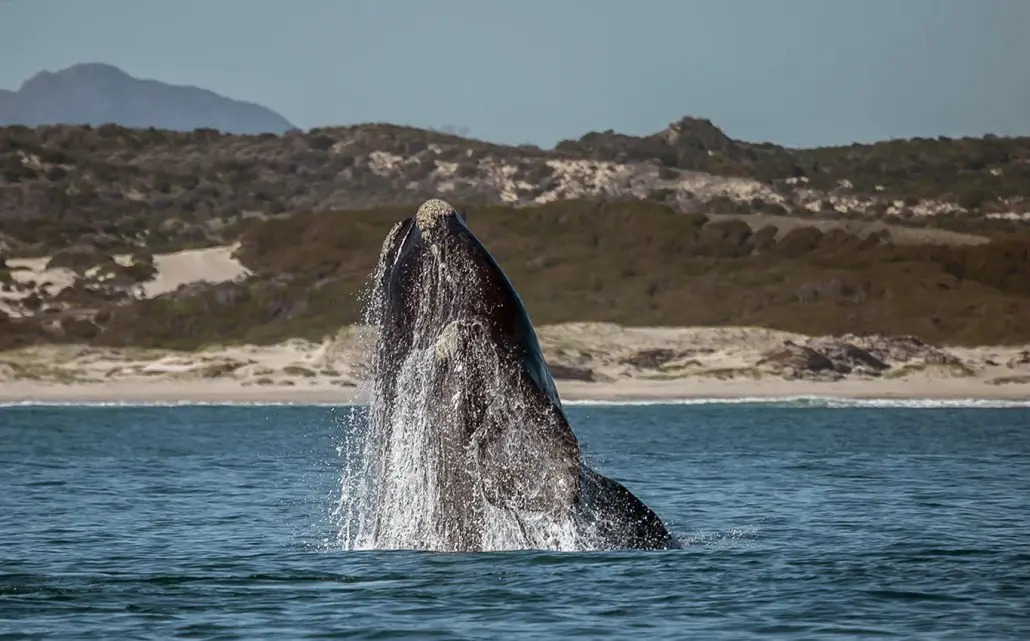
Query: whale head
x=461, y=387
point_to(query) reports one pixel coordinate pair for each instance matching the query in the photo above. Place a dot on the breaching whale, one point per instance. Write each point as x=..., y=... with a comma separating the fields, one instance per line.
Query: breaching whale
x=470, y=445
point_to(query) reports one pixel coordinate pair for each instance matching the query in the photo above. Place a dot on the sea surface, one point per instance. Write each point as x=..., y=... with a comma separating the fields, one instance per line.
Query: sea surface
x=803, y=519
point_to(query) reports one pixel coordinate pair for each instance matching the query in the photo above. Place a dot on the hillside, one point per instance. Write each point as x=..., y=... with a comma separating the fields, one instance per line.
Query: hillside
x=97, y=94
x=632, y=263
x=122, y=189
x=686, y=227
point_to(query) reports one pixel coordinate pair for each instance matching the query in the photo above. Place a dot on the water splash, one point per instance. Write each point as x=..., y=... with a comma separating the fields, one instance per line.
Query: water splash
x=409, y=479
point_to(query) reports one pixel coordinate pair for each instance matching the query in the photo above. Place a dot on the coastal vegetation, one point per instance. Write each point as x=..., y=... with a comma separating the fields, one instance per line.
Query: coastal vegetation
x=123, y=189
x=636, y=263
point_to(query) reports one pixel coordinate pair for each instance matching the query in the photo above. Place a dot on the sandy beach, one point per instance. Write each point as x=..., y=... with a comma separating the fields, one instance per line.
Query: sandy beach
x=590, y=361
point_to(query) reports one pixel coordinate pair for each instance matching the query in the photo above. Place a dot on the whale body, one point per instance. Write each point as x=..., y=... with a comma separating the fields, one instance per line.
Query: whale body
x=471, y=445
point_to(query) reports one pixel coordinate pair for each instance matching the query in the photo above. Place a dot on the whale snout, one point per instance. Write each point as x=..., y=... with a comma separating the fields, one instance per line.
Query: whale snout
x=444, y=241
x=438, y=223
x=432, y=214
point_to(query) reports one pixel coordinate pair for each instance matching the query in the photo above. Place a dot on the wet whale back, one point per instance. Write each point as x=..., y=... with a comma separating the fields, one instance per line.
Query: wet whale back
x=617, y=516
x=494, y=440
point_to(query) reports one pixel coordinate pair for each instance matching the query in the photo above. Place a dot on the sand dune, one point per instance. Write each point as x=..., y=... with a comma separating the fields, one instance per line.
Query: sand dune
x=31, y=275
x=589, y=360
x=210, y=264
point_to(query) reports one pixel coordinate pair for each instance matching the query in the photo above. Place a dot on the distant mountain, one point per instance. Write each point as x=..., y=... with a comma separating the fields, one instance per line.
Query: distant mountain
x=97, y=94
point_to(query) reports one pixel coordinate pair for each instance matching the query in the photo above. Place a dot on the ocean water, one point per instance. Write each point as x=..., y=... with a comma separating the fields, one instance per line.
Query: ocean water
x=802, y=519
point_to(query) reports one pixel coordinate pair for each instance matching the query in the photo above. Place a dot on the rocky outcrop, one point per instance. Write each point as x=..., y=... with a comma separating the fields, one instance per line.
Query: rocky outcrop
x=798, y=361
x=650, y=358
x=846, y=356
x=614, y=352
x=833, y=358
x=569, y=373
x=1020, y=360
x=903, y=349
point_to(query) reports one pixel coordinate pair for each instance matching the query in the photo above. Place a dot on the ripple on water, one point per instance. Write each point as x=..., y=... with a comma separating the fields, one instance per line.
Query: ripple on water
x=803, y=521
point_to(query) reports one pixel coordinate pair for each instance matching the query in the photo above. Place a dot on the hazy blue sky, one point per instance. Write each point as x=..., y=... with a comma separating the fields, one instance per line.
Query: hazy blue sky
x=796, y=72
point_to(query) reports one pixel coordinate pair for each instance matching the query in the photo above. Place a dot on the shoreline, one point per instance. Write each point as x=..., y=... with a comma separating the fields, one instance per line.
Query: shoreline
x=590, y=362
x=627, y=391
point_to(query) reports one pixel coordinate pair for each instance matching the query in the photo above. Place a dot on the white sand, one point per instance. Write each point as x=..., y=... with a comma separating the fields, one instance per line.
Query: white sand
x=707, y=362
x=32, y=274
x=719, y=363
x=210, y=264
